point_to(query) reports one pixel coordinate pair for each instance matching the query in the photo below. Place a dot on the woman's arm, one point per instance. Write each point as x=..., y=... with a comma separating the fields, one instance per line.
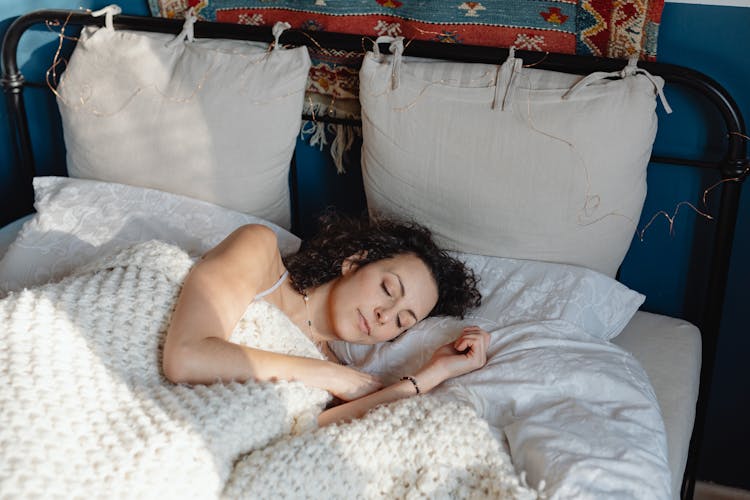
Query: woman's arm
x=465, y=354
x=214, y=297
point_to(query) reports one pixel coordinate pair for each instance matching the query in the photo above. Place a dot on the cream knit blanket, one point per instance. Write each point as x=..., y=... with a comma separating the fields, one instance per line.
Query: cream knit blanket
x=86, y=412
x=420, y=447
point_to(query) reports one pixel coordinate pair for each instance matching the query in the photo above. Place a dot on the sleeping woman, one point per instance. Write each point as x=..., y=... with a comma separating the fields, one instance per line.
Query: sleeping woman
x=357, y=281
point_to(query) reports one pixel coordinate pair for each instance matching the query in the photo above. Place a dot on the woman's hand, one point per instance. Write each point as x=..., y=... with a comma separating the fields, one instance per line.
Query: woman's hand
x=348, y=384
x=465, y=354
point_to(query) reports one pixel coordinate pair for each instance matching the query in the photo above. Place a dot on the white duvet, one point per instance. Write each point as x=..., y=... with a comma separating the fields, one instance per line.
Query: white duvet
x=578, y=413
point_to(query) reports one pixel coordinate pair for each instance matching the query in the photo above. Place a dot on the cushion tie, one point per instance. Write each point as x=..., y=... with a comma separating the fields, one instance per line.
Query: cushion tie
x=187, y=33
x=108, y=12
x=277, y=30
x=397, y=50
x=505, y=81
x=629, y=70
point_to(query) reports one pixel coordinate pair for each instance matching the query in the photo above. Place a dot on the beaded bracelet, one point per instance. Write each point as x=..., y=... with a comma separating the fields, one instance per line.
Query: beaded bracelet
x=413, y=381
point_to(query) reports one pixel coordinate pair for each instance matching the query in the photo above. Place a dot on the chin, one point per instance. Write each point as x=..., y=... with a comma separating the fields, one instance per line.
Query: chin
x=352, y=336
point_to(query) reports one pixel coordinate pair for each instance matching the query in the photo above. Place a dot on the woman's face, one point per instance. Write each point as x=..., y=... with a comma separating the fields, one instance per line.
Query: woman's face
x=378, y=301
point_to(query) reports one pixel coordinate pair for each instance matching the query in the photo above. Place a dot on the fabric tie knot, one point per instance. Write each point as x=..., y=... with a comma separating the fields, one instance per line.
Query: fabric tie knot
x=505, y=80
x=631, y=69
x=397, y=50
x=187, y=33
x=108, y=12
x=279, y=28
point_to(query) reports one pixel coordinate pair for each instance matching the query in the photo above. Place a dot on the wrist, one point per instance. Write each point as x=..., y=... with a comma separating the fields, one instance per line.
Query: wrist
x=413, y=382
x=323, y=374
x=429, y=377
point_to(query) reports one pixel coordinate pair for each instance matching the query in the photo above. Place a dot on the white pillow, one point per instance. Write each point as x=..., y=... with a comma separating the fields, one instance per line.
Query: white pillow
x=78, y=220
x=215, y=120
x=514, y=169
x=578, y=412
x=517, y=292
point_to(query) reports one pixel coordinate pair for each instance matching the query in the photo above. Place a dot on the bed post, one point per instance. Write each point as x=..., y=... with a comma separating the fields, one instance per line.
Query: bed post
x=736, y=168
x=13, y=84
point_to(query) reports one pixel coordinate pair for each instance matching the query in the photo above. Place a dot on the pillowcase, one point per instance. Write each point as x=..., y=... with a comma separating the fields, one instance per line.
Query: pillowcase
x=215, y=120
x=509, y=161
x=519, y=291
x=78, y=220
x=516, y=292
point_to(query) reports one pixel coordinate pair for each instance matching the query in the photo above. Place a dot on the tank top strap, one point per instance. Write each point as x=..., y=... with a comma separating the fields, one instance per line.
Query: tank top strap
x=274, y=287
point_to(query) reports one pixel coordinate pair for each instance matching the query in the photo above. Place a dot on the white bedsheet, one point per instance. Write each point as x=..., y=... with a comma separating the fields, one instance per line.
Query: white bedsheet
x=9, y=232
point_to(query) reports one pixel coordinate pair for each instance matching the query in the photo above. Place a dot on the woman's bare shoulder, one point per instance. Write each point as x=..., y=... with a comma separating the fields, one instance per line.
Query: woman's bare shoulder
x=257, y=239
x=250, y=251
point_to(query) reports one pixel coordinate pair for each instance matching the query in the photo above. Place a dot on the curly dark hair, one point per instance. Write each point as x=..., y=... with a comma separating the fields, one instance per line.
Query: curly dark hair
x=320, y=258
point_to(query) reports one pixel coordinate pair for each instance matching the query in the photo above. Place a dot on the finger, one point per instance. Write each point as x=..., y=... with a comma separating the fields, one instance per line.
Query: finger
x=478, y=345
x=460, y=343
x=466, y=343
x=475, y=335
x=463, y=338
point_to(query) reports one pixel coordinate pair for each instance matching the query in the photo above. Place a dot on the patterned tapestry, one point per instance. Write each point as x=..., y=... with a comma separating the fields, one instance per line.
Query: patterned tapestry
x=609, y=28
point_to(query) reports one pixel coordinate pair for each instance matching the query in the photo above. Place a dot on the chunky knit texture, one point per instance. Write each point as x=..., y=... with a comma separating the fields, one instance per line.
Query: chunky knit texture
x=85, y=410
x=421, y=447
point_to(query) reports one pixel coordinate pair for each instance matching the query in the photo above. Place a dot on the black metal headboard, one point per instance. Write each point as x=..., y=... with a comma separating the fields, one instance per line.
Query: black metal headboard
x=733, y=167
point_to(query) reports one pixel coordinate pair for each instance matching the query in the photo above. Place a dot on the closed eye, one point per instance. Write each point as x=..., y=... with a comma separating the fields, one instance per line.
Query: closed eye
x=385, y=289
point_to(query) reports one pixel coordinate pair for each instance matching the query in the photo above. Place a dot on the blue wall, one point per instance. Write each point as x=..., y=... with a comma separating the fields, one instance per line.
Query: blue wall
x=714, y=40
x=707, y=38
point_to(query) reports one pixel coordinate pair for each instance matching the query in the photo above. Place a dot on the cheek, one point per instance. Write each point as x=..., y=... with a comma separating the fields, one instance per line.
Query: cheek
x=341, y=307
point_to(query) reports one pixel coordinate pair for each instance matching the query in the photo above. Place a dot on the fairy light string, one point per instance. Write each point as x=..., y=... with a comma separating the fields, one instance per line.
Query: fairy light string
x=592, y=201
x=588, y=207
x=704, y=200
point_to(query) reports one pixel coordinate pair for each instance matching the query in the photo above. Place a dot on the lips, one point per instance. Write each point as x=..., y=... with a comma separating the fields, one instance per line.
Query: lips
x=363, y=325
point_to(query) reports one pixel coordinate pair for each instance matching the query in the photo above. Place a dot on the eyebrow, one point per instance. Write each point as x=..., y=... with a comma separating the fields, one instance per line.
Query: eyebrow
x=403, y=293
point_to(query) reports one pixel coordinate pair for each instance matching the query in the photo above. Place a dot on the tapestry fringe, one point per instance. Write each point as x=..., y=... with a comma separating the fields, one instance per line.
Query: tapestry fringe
x=343, y=138
x=340, y=136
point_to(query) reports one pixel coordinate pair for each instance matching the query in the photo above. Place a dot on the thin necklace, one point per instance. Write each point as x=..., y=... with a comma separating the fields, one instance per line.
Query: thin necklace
x=306, y=298
x=322, y=345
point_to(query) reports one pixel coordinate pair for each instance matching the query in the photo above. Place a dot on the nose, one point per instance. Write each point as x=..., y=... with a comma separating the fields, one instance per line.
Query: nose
x=383, y=314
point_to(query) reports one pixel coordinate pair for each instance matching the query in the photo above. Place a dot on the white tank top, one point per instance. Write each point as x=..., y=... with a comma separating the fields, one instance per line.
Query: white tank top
x=274, y=287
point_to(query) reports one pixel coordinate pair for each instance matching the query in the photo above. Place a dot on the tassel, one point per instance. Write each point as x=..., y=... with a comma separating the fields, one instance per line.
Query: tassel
x=343, y=139
x=315, y=133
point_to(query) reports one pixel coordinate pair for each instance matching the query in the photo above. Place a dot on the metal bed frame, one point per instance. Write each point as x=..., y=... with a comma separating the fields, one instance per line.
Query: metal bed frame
x=732, y=168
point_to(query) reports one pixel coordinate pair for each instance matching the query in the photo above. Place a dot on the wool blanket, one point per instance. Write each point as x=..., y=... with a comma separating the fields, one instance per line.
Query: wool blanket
x=85, y=410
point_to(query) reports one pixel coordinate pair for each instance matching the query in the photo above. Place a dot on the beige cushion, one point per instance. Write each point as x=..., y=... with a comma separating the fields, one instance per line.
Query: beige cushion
x=536, y=176
x=215, y=120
